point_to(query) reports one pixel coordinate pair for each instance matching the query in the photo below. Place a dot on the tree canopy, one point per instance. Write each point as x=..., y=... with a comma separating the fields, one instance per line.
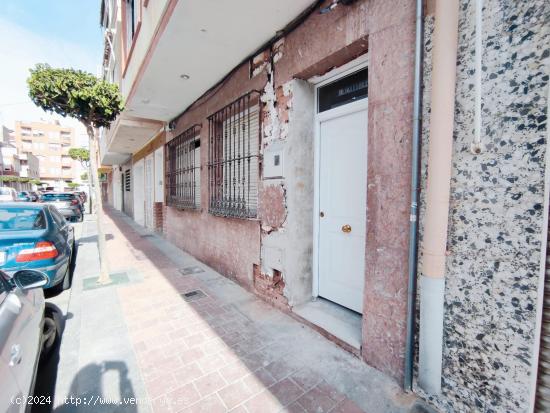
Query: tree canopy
x=75, y=93
x=81, y=155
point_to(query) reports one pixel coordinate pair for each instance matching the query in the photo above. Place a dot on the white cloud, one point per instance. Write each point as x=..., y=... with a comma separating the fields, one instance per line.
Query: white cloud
x=21, y=49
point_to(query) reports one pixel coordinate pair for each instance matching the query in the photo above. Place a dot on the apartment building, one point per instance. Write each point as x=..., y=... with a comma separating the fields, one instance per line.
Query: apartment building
x=287, y=145
x=50, y=143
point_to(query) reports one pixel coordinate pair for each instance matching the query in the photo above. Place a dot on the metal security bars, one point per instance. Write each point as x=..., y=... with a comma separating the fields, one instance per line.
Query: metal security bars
x=183, y=175
x=233, y=158
x=127, y=180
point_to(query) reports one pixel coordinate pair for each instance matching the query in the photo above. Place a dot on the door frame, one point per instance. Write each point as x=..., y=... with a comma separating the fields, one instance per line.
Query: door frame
x=149, y=210
x=338, y=73
x=138, y=187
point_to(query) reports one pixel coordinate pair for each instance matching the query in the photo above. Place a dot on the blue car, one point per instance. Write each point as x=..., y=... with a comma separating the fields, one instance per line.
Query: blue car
x=24, y=196
x=36, y=236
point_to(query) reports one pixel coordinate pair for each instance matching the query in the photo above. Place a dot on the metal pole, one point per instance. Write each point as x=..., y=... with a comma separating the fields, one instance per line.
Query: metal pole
x=415, y=187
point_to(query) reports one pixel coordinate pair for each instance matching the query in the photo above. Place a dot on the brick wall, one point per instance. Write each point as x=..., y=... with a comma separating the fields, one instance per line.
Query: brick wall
x=158, y=216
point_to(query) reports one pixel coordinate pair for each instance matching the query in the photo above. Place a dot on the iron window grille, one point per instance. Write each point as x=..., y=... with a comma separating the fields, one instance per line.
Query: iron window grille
x=233, y=158
x=127, y=181
x=183, y=177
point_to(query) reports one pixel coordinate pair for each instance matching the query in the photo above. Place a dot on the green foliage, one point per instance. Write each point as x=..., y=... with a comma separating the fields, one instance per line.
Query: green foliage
x=75, y=93
x=81, y=155
x=35, y=182
x=73, y=185
x=84, y=176
x=102, y=177
x=12, y=178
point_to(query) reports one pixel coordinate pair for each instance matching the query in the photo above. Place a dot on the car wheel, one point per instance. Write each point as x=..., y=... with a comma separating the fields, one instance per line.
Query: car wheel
x=50, y=333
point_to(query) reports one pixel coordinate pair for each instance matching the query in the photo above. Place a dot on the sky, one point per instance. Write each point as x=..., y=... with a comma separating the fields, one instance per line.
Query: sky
x=62, y=33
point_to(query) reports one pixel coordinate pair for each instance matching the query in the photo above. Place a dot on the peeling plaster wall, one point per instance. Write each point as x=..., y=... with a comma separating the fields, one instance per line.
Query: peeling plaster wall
x=496, y=213
x=293, y=241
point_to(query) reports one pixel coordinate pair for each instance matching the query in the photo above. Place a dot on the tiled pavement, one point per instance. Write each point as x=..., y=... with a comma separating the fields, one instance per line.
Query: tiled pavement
x=229, y=351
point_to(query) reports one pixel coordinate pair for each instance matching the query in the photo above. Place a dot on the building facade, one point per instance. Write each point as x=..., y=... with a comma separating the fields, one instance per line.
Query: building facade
x=50, y=143
x=283, y=160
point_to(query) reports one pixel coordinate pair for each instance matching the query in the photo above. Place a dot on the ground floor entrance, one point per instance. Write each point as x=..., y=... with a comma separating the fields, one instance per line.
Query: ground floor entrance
x=341, y=189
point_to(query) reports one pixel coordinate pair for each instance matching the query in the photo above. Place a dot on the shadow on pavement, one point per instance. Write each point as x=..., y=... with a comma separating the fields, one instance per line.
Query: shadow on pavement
x=86, y=392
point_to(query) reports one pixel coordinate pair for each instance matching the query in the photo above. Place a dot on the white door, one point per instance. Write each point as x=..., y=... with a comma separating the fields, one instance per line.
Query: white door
x=159, y=175
x=149, y=188
x=139, y=194
x=342, y=195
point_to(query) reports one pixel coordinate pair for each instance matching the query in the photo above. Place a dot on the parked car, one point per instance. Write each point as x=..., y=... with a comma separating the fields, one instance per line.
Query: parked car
x=7, y=194
x=36, y=236
x=67, y=203
x=27, y=196
x=27, y=331
x=34, y=196
x=82, y=197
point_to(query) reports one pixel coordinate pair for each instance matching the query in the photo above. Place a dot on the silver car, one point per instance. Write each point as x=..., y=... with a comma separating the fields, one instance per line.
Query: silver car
x=7, y=194
x=24, y=330
x=67, y=203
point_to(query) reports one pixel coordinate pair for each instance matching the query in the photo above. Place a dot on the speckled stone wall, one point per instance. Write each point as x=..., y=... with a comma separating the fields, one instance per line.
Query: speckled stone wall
x=496, y=212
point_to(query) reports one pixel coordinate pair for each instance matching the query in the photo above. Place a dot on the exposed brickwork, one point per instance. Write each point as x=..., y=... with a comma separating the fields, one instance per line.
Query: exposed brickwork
x=270, y=288
x=272, y=206
x=158, y=216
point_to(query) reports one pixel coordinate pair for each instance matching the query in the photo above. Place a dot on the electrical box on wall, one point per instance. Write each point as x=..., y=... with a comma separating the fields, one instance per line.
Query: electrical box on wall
x=273, y=162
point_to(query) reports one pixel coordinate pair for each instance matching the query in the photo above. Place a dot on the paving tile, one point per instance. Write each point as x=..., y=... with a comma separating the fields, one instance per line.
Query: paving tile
x=316, y=400
x=259, y=380
x=239, y=409
x=306, y=378
x=161, y=385
x=234, y=371
x=182, y=397
x=281, y=368
x=211, y=363
x=190, y=355
x=263, y=402
x=347, y=406
x=187, y=373
x=209, y=383
x=195, y=340
x=235, y=394
x=210, y=404
x=286, y=391
x=294, y=408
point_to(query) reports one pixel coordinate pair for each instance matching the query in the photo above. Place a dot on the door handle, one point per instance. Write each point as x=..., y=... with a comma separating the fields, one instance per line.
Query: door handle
x=15, y=355
x=346, y=228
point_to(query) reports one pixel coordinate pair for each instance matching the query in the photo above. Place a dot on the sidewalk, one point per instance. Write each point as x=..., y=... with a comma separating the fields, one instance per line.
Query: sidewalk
x=184, y=338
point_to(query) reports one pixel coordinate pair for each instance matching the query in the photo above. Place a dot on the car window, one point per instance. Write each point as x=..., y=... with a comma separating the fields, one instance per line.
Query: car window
x=21, y=219
x=58, y=218
x=54, y=197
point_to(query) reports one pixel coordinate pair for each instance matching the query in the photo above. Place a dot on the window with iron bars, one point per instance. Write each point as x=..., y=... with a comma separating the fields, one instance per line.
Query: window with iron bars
x=127, y=181
x=233, y=158
x=183, y=170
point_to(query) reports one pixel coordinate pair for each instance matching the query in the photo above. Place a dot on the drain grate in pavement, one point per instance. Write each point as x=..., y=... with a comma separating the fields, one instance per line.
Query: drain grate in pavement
x=147, y=236
x=193, y=295
x=194, y=269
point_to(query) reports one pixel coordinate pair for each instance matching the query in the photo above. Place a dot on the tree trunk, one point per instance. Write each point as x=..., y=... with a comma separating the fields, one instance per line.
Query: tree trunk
x=104, y=270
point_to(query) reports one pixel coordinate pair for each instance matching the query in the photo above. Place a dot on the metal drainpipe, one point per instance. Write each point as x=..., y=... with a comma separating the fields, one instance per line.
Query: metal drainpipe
x=415, y=174
x=432, y=280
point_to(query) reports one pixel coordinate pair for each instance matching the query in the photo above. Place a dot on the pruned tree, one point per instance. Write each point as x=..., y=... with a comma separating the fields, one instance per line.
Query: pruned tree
x=81, y=155
x=95, y=103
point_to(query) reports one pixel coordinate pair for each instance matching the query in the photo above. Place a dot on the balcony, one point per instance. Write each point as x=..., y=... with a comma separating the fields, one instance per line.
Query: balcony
x=189, y=47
